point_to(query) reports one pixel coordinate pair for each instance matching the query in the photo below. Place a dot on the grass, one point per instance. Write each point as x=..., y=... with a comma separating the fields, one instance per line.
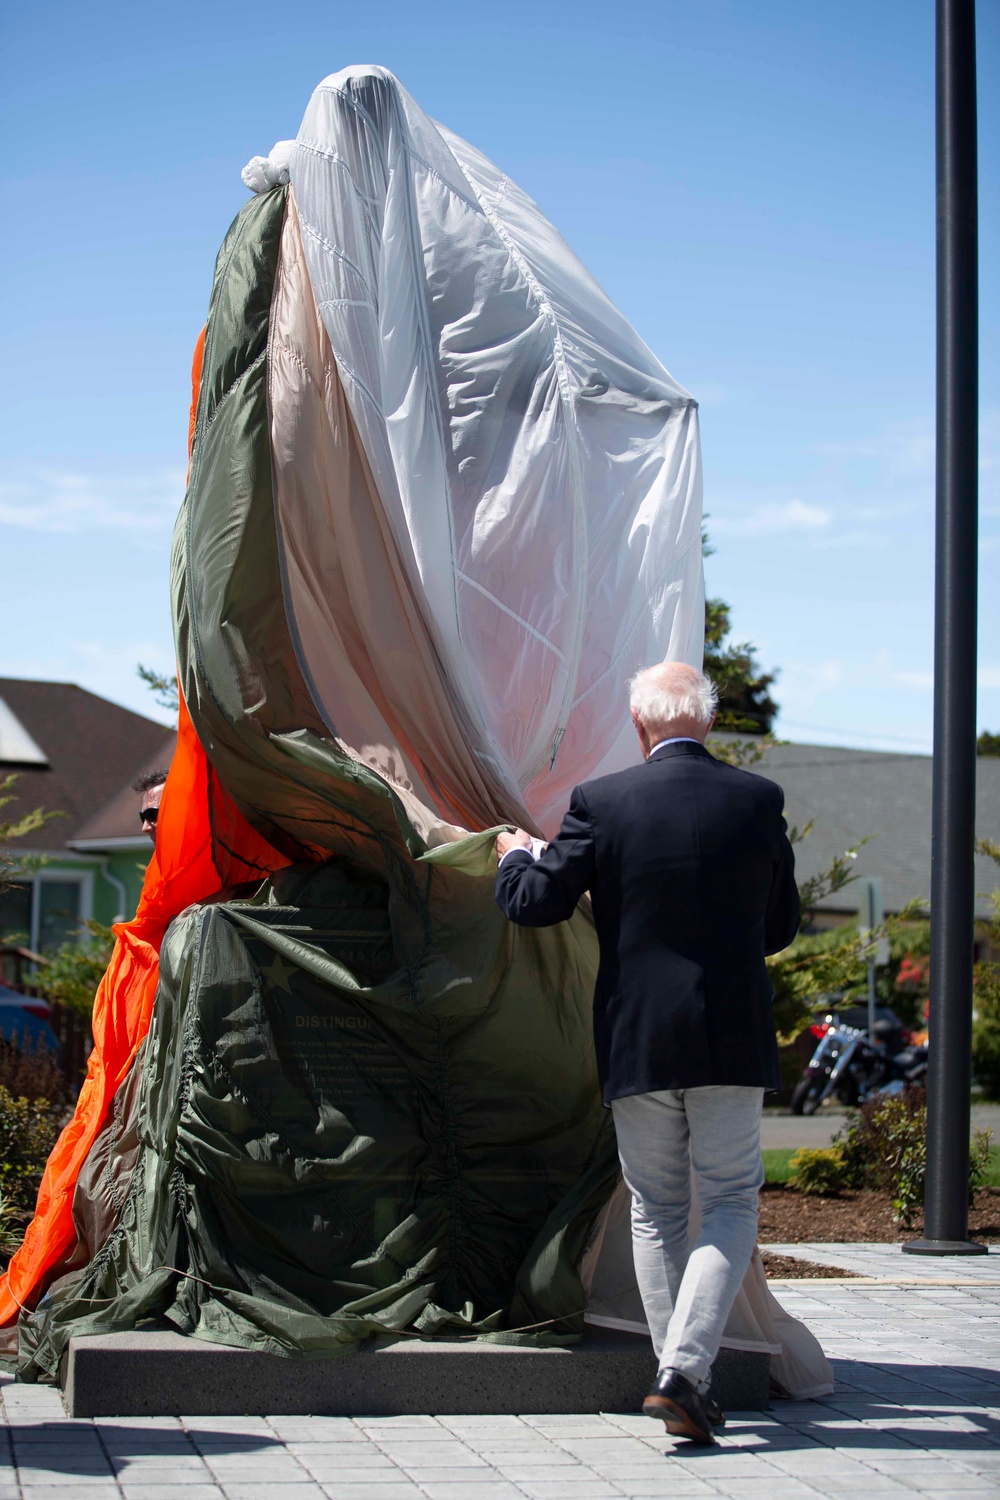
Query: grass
x=776, y=1168
x=776, y=1161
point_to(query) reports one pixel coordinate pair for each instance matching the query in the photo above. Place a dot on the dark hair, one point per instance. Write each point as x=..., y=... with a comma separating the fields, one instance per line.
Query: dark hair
x=148, y=780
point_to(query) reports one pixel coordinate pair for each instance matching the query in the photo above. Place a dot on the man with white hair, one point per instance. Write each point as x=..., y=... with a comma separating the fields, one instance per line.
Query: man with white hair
x=691, y=877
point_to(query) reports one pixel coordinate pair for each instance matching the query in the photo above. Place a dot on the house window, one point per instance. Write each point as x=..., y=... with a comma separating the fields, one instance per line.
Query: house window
x=15, y=913
x=59, y=913
x=45, y=911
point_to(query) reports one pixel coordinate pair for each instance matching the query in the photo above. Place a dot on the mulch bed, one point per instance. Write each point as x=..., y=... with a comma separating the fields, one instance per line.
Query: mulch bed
x=787, y=1267
x=788, y=1217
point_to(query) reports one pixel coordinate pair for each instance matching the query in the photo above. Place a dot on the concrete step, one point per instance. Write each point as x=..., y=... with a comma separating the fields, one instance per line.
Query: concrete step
x=161, y=1373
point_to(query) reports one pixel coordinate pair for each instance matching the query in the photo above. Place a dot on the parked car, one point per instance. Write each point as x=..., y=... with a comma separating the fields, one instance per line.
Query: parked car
x=26, y=1019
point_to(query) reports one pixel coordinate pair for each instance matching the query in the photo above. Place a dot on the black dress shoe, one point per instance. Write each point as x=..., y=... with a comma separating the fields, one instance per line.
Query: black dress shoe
x=678, y=1405
x=714, y=1412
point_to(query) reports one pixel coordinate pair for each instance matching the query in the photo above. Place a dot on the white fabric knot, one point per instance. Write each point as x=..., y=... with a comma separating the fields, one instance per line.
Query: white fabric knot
x=262, y=173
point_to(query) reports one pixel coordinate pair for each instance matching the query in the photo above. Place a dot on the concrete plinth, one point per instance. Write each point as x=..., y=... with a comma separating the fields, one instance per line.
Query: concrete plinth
x=165, y=1374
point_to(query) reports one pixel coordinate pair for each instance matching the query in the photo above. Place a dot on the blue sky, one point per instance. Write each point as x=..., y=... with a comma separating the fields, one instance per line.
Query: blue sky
x=753, y=185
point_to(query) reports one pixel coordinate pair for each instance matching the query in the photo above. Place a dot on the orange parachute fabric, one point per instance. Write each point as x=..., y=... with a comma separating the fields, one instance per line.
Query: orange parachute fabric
x=188, y=865
x=198, y=359
x=184, y=869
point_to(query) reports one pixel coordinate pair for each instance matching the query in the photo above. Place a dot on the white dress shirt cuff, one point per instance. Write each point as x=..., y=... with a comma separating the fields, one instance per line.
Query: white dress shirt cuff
x=536, y=851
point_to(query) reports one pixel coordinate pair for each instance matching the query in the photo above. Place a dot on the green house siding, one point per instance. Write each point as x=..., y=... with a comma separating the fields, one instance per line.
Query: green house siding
x=129, y=867
x=51, y=895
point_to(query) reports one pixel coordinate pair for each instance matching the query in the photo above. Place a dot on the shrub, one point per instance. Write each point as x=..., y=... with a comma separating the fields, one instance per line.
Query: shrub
x=886, y=1147
x=819, y=1171
x=986, y=999
x=11, y=1227
x=905, y=983
x=821, y=965
x=986, y=1045
x=31, y=1071
x=986, y=1026
x=74, y=971
x=28, y=1131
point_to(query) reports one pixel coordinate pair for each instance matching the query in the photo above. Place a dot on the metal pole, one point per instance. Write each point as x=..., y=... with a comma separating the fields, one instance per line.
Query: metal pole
x=946, y=1215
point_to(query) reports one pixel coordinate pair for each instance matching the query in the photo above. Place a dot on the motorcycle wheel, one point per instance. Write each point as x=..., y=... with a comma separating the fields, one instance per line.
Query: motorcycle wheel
x=805, y=1096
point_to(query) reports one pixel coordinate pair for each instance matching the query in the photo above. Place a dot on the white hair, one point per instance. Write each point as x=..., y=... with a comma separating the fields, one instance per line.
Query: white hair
x=659, y=703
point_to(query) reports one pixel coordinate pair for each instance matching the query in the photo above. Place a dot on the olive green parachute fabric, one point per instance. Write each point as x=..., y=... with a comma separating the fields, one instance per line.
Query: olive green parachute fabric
x=311, y=1151
x=366, y=1103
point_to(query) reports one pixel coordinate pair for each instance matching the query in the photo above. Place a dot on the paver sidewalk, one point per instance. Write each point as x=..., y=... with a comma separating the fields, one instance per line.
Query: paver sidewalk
x=916, y=1411
x=888, y=1263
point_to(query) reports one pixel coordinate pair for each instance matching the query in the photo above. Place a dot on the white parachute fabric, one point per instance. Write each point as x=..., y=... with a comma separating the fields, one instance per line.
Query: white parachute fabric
x=538, y=468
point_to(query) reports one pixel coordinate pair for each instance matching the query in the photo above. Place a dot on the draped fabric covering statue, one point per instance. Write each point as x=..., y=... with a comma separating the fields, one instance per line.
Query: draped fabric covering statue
x=441, y=501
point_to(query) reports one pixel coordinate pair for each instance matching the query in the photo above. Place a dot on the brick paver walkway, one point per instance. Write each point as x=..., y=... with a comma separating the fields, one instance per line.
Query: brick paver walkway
x=916, y=1411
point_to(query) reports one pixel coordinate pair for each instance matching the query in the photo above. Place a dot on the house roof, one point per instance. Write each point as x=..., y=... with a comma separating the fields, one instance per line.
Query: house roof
x=116, y=824
x=885, y=797
x=92, y=748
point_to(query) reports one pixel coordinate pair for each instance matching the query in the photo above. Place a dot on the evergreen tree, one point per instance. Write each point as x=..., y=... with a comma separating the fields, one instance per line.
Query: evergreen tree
x=745, y=703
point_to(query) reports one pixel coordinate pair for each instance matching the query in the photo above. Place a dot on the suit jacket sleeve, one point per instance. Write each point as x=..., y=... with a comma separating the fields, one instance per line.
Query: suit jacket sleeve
x=539, y=893
x=783, y=907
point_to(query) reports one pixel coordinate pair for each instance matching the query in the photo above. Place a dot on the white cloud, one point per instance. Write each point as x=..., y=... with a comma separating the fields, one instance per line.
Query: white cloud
x=988, y=677
x=75, y=503
x=803, y=683
x=856, y=538
x=773, y=517
x=901, y=454
x=921, y=680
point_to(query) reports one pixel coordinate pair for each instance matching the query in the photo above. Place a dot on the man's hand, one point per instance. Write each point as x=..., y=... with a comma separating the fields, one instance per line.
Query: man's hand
x=516, y=840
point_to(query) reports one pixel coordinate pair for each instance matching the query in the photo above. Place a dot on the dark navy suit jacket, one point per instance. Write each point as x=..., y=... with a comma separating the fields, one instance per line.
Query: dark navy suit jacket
x=692, y=881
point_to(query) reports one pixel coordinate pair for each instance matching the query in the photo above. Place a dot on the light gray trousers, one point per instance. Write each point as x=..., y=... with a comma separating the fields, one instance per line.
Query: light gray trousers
x=687, y=1292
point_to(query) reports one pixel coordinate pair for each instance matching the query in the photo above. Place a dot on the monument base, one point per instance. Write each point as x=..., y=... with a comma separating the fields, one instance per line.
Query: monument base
x=160, y=1373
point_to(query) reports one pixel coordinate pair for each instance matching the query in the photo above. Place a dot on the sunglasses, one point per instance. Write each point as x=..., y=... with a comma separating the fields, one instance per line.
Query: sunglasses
x=148, y=815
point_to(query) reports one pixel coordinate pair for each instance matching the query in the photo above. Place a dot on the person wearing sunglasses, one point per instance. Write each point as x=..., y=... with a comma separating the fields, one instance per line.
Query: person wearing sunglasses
x=150, y=785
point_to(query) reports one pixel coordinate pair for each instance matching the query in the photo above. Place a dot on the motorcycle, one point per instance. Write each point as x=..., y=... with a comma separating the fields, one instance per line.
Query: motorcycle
x=853, y=1066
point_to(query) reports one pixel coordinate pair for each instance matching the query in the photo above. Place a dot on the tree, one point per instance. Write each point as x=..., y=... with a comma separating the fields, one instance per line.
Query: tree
x=20, y=827
x=988, y=744
x=165, y=688
x=745, y=702
x=17, y=828
x=75, y=970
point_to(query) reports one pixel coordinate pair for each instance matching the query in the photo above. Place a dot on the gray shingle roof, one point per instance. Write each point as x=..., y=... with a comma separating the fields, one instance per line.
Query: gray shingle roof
x=851, y=794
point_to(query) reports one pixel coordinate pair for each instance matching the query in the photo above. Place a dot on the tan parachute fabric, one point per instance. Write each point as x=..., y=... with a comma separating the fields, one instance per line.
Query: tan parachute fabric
x=758, y=1322
x=529, y=471
x=359, y=625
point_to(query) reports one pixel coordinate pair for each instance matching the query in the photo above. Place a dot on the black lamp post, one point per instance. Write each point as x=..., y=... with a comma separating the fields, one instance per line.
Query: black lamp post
x=946, y=1213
